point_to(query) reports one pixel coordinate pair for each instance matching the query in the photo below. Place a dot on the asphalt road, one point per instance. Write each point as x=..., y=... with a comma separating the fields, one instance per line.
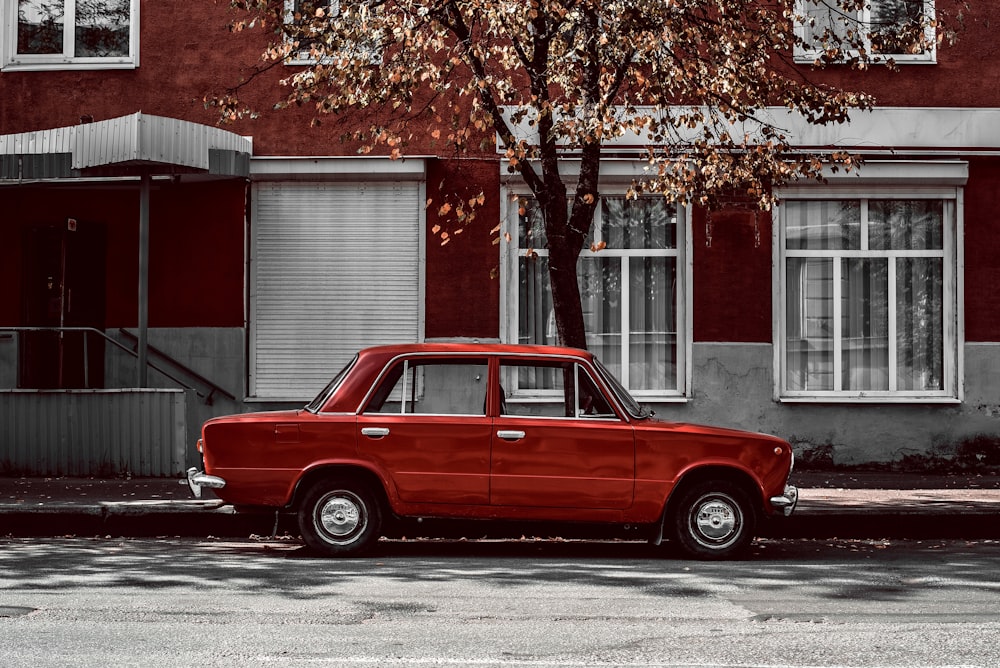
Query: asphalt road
x=178, y=602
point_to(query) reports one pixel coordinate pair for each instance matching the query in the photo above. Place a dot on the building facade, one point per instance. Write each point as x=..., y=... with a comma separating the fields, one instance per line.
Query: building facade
x=160, y=269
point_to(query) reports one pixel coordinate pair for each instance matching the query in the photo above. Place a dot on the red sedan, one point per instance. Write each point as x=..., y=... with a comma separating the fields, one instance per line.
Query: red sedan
x=493, y=432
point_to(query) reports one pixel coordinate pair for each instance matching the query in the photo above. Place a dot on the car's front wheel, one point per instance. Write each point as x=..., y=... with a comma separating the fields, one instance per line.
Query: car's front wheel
x=714, y=520
x=340, y=518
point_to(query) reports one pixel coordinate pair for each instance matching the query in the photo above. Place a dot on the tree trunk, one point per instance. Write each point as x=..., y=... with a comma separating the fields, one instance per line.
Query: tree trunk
x=566, y=293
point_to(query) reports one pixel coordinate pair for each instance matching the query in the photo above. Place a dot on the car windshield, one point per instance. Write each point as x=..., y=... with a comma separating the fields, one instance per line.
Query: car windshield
x=626, y=399
x=316, y=404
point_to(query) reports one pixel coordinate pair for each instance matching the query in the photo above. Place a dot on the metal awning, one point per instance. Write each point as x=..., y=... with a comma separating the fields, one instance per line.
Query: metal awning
x=139, y=147
x=130, y=145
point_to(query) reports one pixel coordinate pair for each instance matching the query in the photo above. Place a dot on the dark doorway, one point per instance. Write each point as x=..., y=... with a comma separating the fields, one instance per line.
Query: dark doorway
x=63, y=283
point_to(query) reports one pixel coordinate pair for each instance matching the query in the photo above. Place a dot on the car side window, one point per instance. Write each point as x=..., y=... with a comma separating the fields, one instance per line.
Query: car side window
x=556, y=389
x=432, y=387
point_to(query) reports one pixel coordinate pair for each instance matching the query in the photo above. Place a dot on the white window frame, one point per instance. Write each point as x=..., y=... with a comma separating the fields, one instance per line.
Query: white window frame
x=509, y=294
x=11, y=61
x=929, y=57
x=951, y=253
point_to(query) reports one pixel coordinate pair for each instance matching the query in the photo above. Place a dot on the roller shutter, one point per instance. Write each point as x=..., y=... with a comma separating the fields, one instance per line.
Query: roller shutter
x=334, y=267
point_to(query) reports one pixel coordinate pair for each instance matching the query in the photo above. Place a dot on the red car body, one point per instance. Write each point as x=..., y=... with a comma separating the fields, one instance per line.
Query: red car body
x=565, y=443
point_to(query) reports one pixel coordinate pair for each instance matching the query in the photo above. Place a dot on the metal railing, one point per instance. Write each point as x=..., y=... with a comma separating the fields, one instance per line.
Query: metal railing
x=205, y=388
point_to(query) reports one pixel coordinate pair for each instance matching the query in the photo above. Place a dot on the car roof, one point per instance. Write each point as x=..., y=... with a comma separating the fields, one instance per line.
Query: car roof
x=373, y=361
x=471, y=347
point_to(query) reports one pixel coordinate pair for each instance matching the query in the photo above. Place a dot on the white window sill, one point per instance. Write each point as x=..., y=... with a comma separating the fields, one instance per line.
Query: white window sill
x=66, y=66
x=898, y=59
x=830, y=399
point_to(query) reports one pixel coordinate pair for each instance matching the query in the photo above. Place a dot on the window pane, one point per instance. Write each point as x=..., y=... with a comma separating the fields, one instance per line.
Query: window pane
x=809, y=316
x=592, y=402
x=40, y=26
x=895, y=26
x=647, y=222
x=561, y=381
x=825, y=15
x=652, y=323
x=906, y=224
x=433, y=388
x=299, y=17
x=102, y=27
x=535, y=319
x=920, y=323
x=531, y=225
x=450, y=389
x=554, y=378
x=601, y=297
x=865, y=324
x=823, y=225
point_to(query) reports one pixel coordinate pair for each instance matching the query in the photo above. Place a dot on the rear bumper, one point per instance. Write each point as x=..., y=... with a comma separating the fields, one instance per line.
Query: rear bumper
x=197, y=480
x=785, y=504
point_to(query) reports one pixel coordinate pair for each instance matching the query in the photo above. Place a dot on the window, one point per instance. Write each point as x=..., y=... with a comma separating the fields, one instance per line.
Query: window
x=70, y=34
x=433, y=387
x=571, y=391
x=869, y=289
x=631, y=290
x=297, y=15
x=897, y=29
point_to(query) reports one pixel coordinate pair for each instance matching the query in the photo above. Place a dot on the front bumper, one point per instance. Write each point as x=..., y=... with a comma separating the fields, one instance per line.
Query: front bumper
x=199, y=479
x=786, y=503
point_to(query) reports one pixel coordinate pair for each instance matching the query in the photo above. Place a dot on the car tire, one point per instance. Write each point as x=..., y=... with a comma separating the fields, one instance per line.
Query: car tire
x=340, y=518
x=714, y=520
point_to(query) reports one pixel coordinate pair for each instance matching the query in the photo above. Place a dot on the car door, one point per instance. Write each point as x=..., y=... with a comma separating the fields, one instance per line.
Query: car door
x=425, y=425
x=558, y=442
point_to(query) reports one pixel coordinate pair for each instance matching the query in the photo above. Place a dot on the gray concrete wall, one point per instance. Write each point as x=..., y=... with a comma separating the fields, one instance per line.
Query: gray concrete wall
x=8, y=359
x=216, y=353
x=733, y=386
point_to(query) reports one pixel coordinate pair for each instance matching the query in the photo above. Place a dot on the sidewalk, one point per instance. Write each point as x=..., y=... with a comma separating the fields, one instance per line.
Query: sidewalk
x=831, y=504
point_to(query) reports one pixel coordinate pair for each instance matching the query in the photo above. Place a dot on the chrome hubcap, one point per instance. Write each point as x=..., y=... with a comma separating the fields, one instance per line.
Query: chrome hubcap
x=340, y=515
x=715, y=520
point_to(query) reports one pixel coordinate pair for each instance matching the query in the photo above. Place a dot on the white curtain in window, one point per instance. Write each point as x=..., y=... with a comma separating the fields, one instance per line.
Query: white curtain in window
x=920, y=324
x=652, y=322
x=865, y=324
x=809, y=339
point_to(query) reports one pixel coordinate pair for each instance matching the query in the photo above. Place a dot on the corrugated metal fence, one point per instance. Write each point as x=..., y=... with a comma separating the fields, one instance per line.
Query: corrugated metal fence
x=139, y=432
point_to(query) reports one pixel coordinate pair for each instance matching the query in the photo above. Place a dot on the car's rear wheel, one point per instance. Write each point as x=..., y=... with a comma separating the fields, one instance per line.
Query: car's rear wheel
x=340, y=518
x=714, y=520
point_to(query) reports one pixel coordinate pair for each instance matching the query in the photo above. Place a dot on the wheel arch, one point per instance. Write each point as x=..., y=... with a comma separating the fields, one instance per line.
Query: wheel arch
x=744, y=480
x=332, y=470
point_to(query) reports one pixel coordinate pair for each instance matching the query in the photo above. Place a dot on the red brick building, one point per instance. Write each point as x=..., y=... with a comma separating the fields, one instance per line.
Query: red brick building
x=860, y=320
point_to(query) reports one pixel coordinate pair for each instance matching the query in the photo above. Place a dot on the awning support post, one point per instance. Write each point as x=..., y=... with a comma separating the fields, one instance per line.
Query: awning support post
x=144, y=189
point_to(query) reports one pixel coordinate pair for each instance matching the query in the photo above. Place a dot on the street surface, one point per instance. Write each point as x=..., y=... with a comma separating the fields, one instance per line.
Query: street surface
x=179, y=602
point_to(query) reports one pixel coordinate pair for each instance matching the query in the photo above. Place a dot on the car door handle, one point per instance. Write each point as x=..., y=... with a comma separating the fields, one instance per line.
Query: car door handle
x=510, y=435
x=375, y=432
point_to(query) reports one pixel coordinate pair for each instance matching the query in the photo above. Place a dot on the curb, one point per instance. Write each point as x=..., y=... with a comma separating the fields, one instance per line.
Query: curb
x=813, y=520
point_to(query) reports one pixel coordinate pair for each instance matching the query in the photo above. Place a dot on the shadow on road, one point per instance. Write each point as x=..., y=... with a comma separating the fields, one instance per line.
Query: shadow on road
x=878, y=570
